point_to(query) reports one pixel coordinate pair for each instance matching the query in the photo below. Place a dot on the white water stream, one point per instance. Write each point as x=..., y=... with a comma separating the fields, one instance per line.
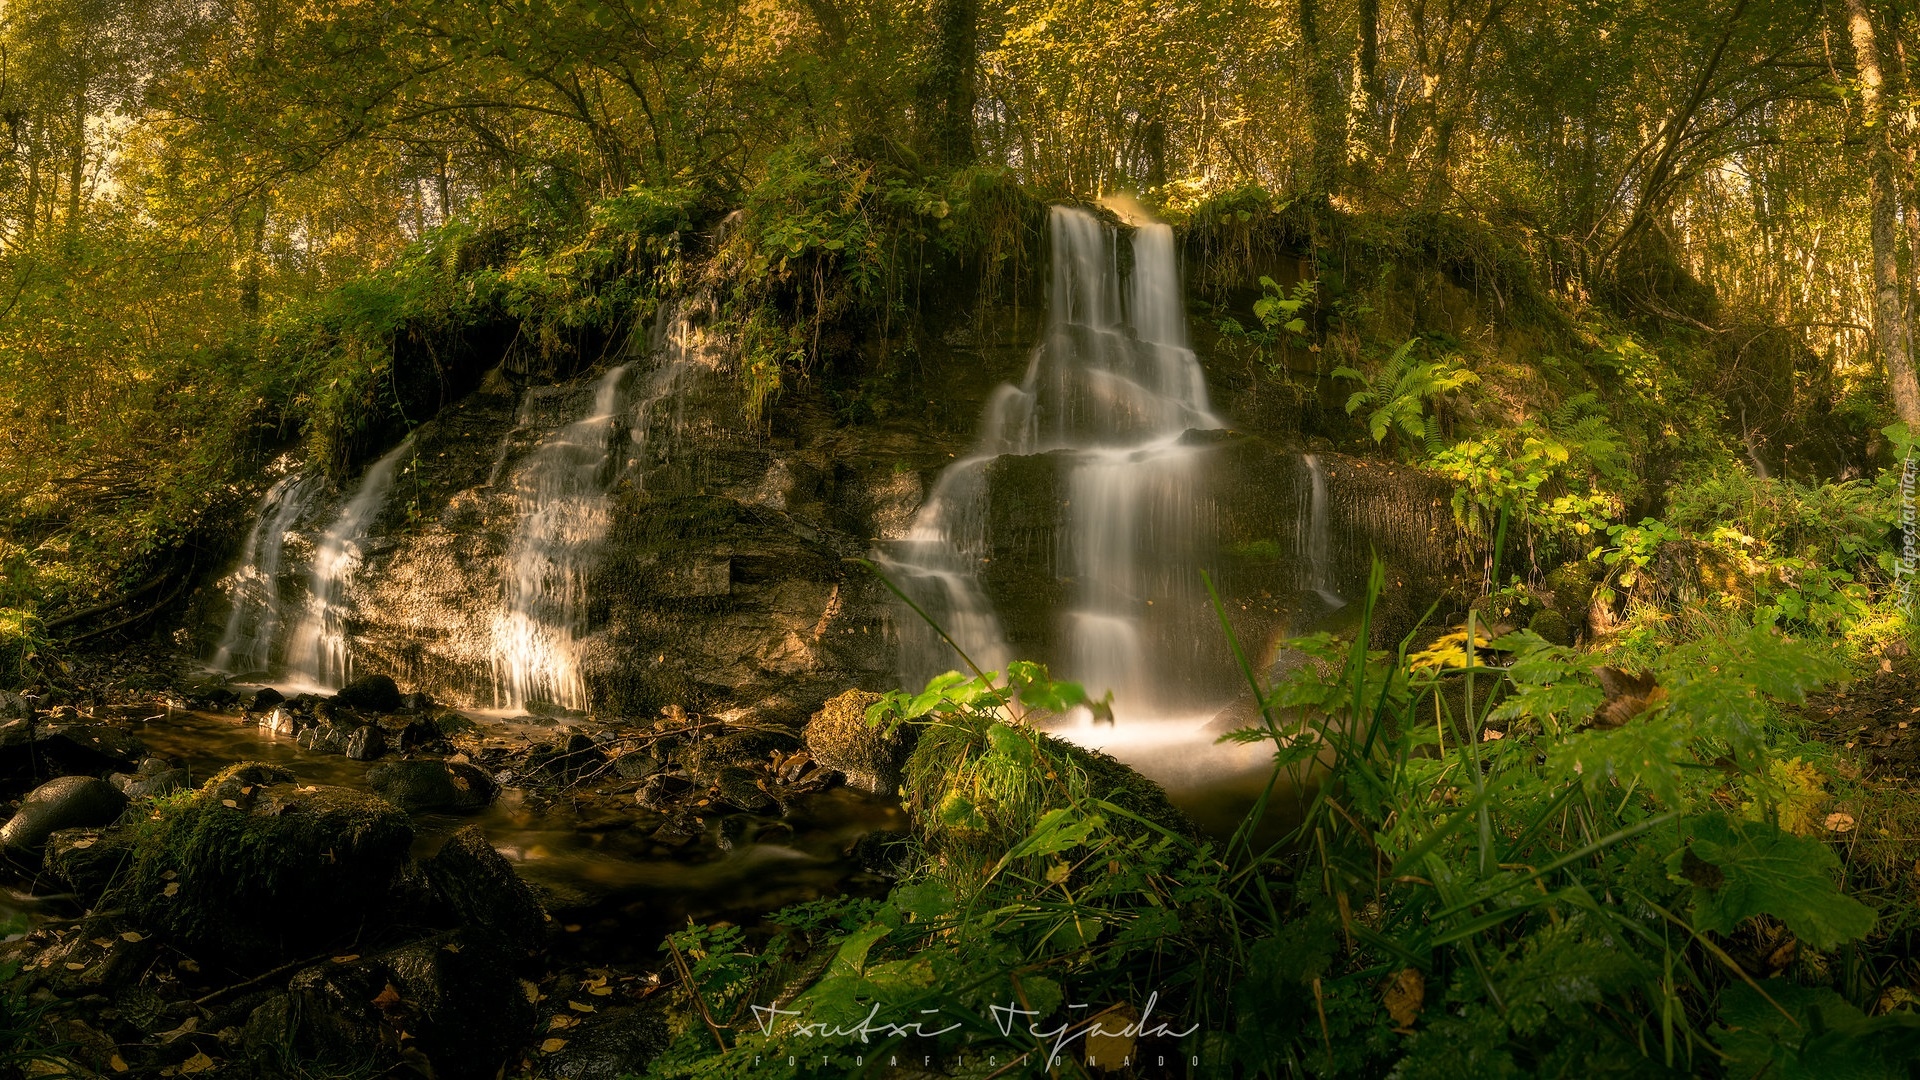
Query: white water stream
x=319, y=653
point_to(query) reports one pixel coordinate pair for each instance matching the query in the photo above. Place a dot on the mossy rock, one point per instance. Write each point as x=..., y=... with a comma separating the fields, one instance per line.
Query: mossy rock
x=975, y=786
x=252, y=870
x=840, y=738
x=1552, y=625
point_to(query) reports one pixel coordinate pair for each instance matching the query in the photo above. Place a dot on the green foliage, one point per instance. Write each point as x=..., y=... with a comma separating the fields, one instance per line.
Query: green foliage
x=1397, y=396
x=1445, y=903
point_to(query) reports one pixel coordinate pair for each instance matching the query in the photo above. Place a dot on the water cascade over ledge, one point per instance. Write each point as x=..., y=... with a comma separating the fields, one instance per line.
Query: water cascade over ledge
x=246, y=642
x=319, y=653
x=1112, y=390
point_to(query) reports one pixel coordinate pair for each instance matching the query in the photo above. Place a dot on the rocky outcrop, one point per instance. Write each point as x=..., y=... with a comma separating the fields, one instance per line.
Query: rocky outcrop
x=431, y=785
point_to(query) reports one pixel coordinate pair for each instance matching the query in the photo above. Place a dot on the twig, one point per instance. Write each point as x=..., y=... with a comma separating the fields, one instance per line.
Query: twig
x=693, y=988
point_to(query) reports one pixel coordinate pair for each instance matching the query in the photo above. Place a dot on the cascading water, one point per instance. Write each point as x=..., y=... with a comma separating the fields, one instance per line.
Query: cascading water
x=563, y=495
x=246, y=643
x=562, y=515
x=1315, y=537
x=318, y=653
x=1115, y=386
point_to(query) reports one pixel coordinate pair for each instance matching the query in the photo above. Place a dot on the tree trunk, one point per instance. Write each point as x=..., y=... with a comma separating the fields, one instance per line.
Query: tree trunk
x=1326, y=104
x=948, y=94
x=1889, y=308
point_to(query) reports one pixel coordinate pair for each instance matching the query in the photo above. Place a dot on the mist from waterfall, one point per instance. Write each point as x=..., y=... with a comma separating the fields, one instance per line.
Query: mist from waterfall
x=1115, y=385
x=319, y=653
x=246, y=642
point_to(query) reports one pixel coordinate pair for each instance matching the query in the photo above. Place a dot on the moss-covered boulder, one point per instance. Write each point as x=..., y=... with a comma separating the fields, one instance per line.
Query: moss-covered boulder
x=253, y=869
x=976, y=786
x=870, y=758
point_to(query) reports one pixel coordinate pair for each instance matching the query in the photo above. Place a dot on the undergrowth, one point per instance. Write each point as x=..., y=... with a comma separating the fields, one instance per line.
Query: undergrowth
x=1508, y=860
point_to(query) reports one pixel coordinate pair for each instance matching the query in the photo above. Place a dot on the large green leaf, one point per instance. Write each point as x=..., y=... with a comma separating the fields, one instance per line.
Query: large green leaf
x=1739, y=869
x=1827, y=1039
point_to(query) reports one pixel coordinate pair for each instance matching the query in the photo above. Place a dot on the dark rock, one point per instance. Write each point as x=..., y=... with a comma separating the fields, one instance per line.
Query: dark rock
x=254, y=870
x=456, y=995
x=65, y=803
x=1552, y=625
x=740, y=789
x=637, y=766
x=461, y=999
x=15, y=706
x=87, y=860
x=578, y=757
x=609, y=1045
x=704, y=759
x=430, y=785
x=884, y=852
x=479, y=885
x=71, y=747
x=661, y=792
x=370, y=693
x=415, y=702
x=277, y=721
x=265, y=698
x=366, y=743
x=156, y=786
x=839, y=738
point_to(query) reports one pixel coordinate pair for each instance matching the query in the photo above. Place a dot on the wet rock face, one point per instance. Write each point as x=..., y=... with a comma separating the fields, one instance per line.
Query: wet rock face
x=479, y=888
x=257, y=869
x=69, y=802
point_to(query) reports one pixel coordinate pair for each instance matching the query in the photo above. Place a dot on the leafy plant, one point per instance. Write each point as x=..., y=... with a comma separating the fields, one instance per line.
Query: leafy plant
x=1396, y=398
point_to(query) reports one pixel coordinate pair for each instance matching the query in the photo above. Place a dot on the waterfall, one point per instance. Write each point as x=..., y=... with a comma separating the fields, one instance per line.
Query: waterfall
x=246, y=643
x=318, y=653
x=1314, y=535
x=1112, y=387
x=562, y=513
x=563, y=496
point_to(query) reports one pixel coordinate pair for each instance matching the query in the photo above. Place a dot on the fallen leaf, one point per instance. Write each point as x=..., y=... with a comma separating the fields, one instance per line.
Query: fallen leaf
x=561, y=1023
x=104, y=942
x=552, y=1046
x=1839, y=822
x=600, y=991
x=133, y=935
x=1404, y=996
x=230, y=804
x=117, y=1063
x=578, y=1007
x=347, y=959
x=78, y=845
x=76, y=967
x=173, y=887
x=386, y=998
x=198, y=1063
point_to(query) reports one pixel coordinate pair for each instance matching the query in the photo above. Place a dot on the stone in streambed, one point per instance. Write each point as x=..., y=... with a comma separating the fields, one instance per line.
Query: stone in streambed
x=366, y=743
x=609, y=1045
x=430, y=785
x=254, y=870
x=87, y=860
x=69, y=802
x=479, y=887
x=265, y=698
x=870, y=758
x=705, y=759
x=456, y=995
x=370, y=693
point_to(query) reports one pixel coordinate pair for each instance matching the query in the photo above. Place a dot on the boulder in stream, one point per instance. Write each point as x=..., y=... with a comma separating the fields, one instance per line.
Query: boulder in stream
x=477, y=883
x=65, y=803
x=255, y=869
x=431, y=785
x=370, y=693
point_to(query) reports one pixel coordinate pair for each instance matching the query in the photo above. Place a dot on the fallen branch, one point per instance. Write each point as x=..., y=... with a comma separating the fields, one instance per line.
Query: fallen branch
x=98, y=609
x=131, y=619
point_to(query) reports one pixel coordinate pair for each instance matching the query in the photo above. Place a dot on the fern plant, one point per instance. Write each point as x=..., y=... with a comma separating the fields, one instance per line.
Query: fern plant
x=1396, y=398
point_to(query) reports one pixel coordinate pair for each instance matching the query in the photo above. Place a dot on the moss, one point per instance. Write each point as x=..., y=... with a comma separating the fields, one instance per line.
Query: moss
x=251, y=869
x=976, y=786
